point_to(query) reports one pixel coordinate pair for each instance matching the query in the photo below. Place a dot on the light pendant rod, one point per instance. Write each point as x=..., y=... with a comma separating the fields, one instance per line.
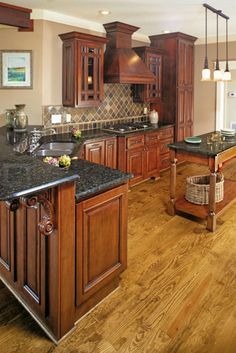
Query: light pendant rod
x=219, y=12
x=206, y=58
x=217, y=44
x=217, y=71
x=227, y=49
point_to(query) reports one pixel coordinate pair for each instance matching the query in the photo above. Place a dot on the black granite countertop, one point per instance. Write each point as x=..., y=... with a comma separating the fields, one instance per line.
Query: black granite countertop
x=23, y=174
x=204, y=148
x=95, y=178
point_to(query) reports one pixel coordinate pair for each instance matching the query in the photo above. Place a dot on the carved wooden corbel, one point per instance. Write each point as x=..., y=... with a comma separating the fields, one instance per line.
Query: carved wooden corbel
x=46, y=225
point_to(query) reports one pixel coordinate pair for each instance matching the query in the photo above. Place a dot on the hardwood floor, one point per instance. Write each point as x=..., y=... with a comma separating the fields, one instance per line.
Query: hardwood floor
x=178, y=294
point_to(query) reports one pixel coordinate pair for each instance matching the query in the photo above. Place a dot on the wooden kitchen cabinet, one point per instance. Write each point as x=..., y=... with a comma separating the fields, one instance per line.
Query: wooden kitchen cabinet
x=166, y=136
x=111, y=153
x=102, y=152
x=140, y=156
x=177, y=80
x=82, y=76
x=101, y=242
x=7, y=241
x=95, y=152
x=150, y=93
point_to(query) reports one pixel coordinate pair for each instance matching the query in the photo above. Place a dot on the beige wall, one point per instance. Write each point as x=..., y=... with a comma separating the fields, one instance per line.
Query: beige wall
x=205, y=92
x=11, y=39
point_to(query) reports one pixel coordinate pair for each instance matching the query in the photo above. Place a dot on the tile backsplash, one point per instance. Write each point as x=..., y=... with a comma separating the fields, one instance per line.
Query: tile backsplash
x=117, y=106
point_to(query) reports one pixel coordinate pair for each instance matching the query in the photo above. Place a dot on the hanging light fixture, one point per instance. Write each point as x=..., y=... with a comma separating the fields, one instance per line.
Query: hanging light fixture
x=217, y=71
x=227, y=73
x=206, y=72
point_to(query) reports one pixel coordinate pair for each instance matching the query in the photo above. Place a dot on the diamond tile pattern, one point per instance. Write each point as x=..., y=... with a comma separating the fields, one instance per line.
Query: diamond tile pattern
x=117, y=106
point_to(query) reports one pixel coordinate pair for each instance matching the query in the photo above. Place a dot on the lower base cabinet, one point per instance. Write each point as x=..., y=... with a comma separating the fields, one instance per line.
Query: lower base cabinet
x=102, y=152
x=59, y=258
x=101, y=241
x=139, y=155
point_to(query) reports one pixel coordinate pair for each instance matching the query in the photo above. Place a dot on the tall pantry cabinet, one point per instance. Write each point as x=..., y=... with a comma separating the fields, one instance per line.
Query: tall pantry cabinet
x=177, y=80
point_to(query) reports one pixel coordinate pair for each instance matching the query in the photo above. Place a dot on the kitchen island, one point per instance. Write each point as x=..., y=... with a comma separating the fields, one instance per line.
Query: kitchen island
x=63, y=234
x=213, y=155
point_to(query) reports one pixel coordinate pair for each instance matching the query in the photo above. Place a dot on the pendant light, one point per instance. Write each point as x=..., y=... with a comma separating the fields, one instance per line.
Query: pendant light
x=217, y=71
x=206, y=72
x=227, y=73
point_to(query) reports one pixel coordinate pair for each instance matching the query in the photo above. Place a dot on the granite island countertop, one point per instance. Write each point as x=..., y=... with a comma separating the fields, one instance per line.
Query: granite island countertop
x=204, y=148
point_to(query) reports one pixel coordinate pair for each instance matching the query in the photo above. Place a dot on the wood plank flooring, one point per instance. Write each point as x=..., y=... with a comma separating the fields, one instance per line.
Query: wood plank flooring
x=178, y=294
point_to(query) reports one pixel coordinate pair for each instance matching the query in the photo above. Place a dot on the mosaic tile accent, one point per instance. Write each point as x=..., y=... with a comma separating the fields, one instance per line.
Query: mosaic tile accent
x=118, y=106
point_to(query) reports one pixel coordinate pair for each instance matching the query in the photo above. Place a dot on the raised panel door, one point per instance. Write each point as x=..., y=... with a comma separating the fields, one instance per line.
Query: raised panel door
x=111, y=153
x=31, y=258
x=101, y=241
x=152, y=161
x=7, y=241
x=136, y=165
x=95, y=152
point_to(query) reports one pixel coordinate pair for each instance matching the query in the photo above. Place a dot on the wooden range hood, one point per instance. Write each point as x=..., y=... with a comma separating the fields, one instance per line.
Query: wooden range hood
x=121, y=63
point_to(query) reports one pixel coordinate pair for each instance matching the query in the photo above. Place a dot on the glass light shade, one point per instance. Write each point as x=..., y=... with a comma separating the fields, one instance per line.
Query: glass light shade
x=227, y=76
x=206, y=75
x=217, y=75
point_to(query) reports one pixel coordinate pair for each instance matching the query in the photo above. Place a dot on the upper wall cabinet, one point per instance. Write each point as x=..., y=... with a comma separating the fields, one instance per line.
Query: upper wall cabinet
x=152, y=92
x=82, y=76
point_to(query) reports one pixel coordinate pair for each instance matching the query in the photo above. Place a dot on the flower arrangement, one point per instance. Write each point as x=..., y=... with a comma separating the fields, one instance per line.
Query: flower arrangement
x=62, y=161
x=76, y=132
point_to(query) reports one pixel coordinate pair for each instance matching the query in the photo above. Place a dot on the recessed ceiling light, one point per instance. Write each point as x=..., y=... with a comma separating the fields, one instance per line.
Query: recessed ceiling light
x=165, y=31
x=104, y=12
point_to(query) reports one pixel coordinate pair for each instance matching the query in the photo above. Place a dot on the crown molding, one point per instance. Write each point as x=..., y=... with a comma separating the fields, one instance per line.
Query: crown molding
x=38, y=14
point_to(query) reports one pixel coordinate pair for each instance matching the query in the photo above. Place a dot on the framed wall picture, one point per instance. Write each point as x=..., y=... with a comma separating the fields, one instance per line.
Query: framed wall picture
x=16, y=69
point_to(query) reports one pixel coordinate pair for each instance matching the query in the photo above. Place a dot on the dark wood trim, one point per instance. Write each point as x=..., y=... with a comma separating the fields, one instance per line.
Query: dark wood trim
x=16, y=16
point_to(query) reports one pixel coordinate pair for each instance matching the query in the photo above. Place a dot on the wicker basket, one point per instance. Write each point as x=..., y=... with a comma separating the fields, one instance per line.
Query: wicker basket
x=197, y=189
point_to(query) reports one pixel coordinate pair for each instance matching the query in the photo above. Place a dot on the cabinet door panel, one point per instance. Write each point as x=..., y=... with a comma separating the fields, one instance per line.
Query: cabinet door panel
x=7, y=241
x=111, y=153
x=94, y=152
x=153, y=161
x=135, y=165
x=101, y=241
x=31, y=259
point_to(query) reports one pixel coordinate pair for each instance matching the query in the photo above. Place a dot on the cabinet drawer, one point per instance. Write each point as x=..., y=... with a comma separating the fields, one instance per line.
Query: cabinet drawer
x=135, y=142
x=164, y=133
x=163, y=145
x=152, y=138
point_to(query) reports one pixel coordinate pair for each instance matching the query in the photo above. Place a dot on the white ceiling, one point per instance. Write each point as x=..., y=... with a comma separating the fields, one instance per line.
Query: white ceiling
x=152, y=16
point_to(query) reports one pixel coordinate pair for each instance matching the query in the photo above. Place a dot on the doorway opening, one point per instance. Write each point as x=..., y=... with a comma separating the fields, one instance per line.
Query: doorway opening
x=226, y=100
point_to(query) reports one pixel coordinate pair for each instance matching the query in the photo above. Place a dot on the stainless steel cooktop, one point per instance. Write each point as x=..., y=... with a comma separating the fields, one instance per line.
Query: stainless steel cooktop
x=128, y=127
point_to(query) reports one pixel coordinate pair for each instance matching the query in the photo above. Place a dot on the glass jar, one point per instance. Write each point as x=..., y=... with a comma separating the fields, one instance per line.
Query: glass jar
x=9, y=117
x=20, y=118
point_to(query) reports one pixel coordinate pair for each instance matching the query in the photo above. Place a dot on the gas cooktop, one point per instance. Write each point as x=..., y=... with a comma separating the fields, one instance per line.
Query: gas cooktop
x=128, y=127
